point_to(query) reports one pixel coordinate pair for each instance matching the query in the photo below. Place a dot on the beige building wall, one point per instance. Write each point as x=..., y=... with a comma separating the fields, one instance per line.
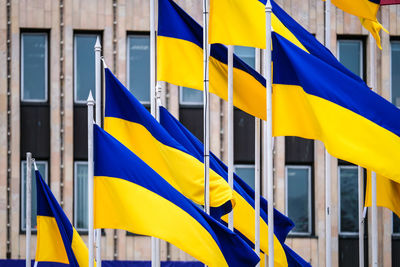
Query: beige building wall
x=115, y=19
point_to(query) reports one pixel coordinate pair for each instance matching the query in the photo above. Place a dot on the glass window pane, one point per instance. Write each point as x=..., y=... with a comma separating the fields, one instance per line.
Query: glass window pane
x=139, y=67
x=42, y=167
x=84, y=72
x=247, y=54
x=350, y=55
x=298, y=198
x=348, y=177
x=396, y=73
x=246, y=173
x=396, y=224
x=81, y=196
x=34, y=67
x=191, y=96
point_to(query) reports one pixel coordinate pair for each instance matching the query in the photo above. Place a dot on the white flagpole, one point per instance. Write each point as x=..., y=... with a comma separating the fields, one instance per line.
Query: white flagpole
x=360, y=216
x=257, y=172
x=374, y=208
x=328, y=178
x=268, y=163
x=230, y=127
x=28, y=208
x=97, y=53
x=90, y=104
x=155, y=242
x=206, y=104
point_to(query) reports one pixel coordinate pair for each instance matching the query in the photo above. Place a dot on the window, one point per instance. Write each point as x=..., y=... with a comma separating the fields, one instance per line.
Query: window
x=247, y=54
x=84, y=66
x=247, y=173
x=34, y=71
x=81, y=195
x=396, y=225
x=350, y=54
x=298, y=198
x=348, y=199
x=190, y=97
x=42, y=167
x=138, y=68
x=395, y=73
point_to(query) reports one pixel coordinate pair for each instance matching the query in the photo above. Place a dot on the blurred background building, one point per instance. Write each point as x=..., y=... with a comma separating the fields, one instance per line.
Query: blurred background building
x=47, y=70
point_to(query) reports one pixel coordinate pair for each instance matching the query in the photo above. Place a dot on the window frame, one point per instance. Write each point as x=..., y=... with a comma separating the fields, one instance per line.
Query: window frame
x=189, y=103
x=81, y=102
x=310, y=212
x=340, y=232
x=397, y=41
x=133, y=34
x=347, y=39
x=80, y=230
x=46, y=64
x=23, y=196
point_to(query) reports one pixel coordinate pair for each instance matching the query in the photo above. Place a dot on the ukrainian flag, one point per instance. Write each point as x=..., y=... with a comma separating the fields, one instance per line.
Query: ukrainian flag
x=58, y=243
x=314, y=100
x=131, y=124
x=366, y=9
x=244, y=213
x=130, y=195
x=180, y=61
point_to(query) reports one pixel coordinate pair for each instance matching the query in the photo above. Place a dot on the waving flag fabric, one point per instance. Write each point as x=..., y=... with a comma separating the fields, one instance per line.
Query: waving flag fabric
x=316, y=101
x=180, y=61
x=130, y=195
x=130, y=123
x=58, y=243
x=244, y=211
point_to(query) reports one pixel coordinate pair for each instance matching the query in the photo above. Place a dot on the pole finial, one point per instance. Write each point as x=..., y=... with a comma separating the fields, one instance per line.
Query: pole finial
x=97, y=45
x=104, y=63
x=268, y=6
x=90, y=100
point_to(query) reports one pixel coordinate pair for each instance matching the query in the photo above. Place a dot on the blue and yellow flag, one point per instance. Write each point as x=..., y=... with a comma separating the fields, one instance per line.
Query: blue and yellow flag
x=314, y=100
x=180, y=61
x=244, y=214
x=57, y=240
x=130, y=123
x=130, y=195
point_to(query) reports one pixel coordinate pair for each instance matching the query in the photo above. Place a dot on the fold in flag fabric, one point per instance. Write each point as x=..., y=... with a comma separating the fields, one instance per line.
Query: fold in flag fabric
x=244, y=214
x=316, y=101
x=130, y=195
x=58, y=243
x=130, y=123
x=387, y=193
x=180, y=61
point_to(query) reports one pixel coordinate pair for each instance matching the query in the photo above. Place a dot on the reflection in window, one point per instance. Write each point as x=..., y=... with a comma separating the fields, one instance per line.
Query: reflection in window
x=81, y=196
x=189, y=96
x=348, y=190
x=84, y=70
x=395, y=73
x=247, y=173
x=350, y=55
x=298, y=198
x=247, y=54
x=34, y=67
x=42, y=167
x=139, y=67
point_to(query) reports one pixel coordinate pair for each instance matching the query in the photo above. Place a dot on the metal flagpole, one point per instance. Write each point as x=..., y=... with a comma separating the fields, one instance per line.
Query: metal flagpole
x=374, y=208
x=268, y=170
x=97, y=53
x=360, y=216
x=257, y=173
x=155, y=242
x=28, y=208
x=230, y=127
x=328, y=178
x=90, y=104
x=206, y=114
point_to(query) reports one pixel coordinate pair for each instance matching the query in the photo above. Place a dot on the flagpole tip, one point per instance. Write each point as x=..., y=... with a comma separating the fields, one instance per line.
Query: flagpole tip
x=104, y=63
x=268, y=5
x=97, y=45
x=90, y=100
x=34, y=165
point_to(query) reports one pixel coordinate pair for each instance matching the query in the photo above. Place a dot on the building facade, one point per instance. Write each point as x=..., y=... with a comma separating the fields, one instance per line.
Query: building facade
x=47, y=59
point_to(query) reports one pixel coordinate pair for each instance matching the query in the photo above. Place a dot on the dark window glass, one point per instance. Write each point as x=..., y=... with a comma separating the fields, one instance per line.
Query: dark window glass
x=299, y=198
x=34, y=67
x=350, y=55
x=81, y=196
x=396, y=224
x=84, y=71
x=348, y=178
x=139, y=67
x=396, y=73
x=247, y=173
